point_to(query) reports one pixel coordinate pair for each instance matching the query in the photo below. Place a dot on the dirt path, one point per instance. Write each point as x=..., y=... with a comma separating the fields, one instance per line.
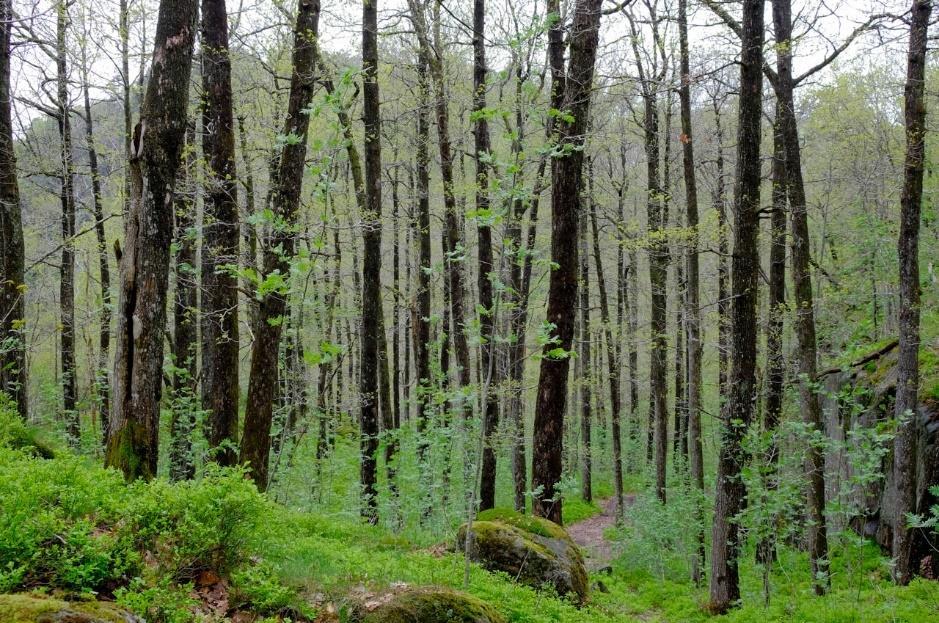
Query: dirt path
x=588, y=534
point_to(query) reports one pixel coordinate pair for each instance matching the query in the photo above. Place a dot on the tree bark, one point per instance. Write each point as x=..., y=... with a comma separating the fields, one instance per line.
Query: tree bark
x=182, y=466
x=586, y=367
x=155, y=155
x=13, y=378
x=372, y=325
x=804, y=305
x=67, y=199
x=574, y=86
x=487, y=490
x=279, y=247
x=692, y=292
x=905, y=444
x=736, y=417
x=220, y=239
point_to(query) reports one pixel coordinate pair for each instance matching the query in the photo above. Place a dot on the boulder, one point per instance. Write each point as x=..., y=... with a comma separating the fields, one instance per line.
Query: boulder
x=40, y=609
x=433, y=605
x=535, y=551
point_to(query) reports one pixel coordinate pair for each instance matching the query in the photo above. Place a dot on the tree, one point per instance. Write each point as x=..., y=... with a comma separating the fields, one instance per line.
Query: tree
x=141, y=315
x=572, y=89
x=279, y=246
x=692, y=294
x=804, y=304
x=905, y=444
x=13, y=379
x=372, y=324
x=67, y=199
x=102, y=382
x=220, y=234
x=738, y=412
x=488, y=369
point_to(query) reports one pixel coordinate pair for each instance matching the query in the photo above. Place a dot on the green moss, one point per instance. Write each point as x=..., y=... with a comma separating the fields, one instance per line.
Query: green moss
x=34, y=609
x=434, y=606
x=529, y=523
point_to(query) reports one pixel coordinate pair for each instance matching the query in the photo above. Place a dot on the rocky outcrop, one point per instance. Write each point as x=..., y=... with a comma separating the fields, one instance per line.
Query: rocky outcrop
x=532, y=550
x=40, y=609
x=858, y=403
x=433, y=605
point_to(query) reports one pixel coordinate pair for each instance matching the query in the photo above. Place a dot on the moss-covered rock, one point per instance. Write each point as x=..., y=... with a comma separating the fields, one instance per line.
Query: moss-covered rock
x=37, y=609
x=536, y=551
x=431, y=605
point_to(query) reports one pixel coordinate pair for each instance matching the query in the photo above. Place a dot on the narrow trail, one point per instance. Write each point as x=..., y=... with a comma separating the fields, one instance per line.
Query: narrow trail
x=588, y=534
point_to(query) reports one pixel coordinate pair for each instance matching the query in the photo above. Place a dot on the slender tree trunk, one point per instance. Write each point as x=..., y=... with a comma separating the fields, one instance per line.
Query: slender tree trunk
x=279, y=247
x=249, y=231
x=372, y=314
x=487, y=491
x=692, y=293
x=13, y=379
x=220, y=234
x=574, y=86
x=586, y=367
x=124, y=27
x=905, y=444
x=775, y=359
x=158, y=143
x=613, y=367
x=67, y=198
x=723, y=272
x=102, y=382
x=804, y=305
x=729, y=497
x=422, y=340
x=182, y=465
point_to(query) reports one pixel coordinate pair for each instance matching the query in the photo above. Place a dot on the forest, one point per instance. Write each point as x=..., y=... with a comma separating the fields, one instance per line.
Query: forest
x=470, y=311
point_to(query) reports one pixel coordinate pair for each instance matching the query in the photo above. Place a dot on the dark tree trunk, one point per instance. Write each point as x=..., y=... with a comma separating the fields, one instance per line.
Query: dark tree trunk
x=182, y=465
x=574, y=86
x=586, y=367
x=421, y=324
x=723, y=272
x=488, y=370
x=613, y=367
x=141, y=319
x=692, y=293
x=67, y=199
x=279, y=247
x=12, y=249
x=372, y=315
x=803, y=303
x=904, y=448
x=775, y=359
x=220, y=234
x=736, y=417
x=249, y=232
x=102, y=382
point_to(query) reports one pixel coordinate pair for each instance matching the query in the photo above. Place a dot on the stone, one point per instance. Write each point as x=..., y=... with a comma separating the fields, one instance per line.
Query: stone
x=535, y=551
x=433, y=605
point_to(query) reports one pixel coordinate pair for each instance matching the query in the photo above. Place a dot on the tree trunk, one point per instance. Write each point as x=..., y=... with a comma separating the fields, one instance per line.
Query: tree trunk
x=613, y=365
x=692, y=293
x=566, y=174
x=805, y=314
x=102, y=382
x=13, y=380
x=155, y=156
x=220, y=234
x=182, y=466
x=736, y=417
x=67, y=199
x=723, y=272
x=487, y=490
x=904, y=448
x=279, y=247
x=372, y=324
x=586, y=366
x=775, y=359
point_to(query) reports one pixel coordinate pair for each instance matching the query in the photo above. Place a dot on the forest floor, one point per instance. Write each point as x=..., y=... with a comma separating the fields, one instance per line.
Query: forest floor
x=590, y=534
